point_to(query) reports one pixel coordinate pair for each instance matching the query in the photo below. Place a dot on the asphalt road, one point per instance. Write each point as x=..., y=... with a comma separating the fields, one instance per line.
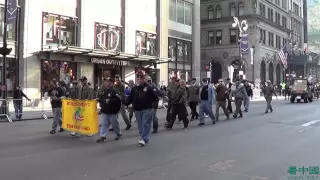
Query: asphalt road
x=257, y=147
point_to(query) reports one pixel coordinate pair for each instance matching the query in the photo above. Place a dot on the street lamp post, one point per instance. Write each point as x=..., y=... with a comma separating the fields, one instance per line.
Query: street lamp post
x=243, y=27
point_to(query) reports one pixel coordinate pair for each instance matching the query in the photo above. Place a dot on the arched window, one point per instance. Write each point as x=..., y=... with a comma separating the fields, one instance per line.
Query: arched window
x=232, y=10
x=241, y=9
x=218, y=11
x=210, y=12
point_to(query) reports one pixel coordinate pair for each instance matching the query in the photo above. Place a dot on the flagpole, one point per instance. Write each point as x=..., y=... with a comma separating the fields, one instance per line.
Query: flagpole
x=4, y=55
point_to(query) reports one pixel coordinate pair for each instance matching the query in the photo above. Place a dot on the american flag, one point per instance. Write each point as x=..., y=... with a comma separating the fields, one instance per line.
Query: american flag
x=283, y=54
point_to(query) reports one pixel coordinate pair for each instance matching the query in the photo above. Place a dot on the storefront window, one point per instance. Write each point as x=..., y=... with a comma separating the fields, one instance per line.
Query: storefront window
x=11, y=75
x=59, y=30
x=180, y=50
x=146, y=43
x=62, y=71
x=187, y=51
x=11, y=34
x=172, y=50
x=107, y=37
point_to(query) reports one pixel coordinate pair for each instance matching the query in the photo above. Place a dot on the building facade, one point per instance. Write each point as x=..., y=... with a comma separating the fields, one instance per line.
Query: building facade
x=272, y=26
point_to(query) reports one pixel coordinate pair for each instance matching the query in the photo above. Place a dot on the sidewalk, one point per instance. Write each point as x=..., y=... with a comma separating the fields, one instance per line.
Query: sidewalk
x=37, y=114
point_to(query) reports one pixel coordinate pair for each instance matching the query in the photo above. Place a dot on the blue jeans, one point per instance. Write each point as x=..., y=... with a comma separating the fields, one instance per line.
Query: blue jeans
x=205, y=108
x=108, y=119
x=246, y=102
x=18, y=108
x=144, y=119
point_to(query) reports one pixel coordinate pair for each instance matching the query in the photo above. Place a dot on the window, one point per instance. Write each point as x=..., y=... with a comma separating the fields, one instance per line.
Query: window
x=284, y=21
x=232, y=10
x=263, y=36
x=59, y=30
x=284, y=4
x=210, y=12
x=179, y=50
x=210, y=37
x=241, y=9
x=278, y=18
x=172, y=49
x=233, y=36
x=278, y=2
x=296, y=9
x=188, y=14
x=107, y=37
x=262, y=10
x=62, y=71
x=284, y=42
x=11, y=27
x=172, y=10
x=181, y=12
x=218, y=11
x=278, y=42
x=218, y=37
x=146, y=43
x=270, y=14
x=180, y=53
x=271, y=39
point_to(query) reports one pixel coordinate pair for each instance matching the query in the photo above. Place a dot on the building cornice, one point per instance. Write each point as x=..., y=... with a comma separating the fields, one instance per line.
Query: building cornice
x=247, y=17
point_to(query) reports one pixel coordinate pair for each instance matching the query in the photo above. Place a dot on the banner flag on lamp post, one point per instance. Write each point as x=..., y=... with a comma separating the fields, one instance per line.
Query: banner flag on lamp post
x=12, y=10
x=244, y=46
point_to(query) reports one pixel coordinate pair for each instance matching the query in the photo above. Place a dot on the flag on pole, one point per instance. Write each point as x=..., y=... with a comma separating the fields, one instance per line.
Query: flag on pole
x=283, y=54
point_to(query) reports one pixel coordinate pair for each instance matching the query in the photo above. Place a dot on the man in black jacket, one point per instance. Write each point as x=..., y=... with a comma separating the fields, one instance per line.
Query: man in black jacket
x=110, y=103
x=142, y=98
x=229, y=84
x=17, y=101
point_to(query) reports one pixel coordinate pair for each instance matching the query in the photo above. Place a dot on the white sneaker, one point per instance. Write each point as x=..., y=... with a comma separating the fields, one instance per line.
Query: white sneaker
x=142, y=143
x=73, y=133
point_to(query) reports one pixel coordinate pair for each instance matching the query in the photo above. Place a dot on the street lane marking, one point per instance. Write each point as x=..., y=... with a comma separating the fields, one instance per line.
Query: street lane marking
x=310, y=123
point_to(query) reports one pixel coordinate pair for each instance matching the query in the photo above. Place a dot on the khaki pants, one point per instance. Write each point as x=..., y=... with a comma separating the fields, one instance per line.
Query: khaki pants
x=221, y=104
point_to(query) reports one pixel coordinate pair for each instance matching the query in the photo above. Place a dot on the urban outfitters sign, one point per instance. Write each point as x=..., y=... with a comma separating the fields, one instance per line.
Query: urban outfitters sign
x=109, y=62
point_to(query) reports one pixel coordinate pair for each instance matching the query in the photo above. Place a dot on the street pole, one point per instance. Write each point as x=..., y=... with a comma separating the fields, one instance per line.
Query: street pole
x=253, y=65
x=4, y=54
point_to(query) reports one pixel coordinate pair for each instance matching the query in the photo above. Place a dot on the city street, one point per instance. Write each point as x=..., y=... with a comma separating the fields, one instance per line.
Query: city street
x=257, y=147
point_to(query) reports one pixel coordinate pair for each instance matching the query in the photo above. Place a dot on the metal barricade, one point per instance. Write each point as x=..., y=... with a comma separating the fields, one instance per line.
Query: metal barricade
x=4, y=109
x=25, y=109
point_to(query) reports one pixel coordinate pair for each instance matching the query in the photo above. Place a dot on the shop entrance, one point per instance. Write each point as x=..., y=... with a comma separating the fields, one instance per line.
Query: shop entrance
x=103, y=71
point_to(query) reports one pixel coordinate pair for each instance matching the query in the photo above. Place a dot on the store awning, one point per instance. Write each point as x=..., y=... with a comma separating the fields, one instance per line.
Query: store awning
x=103, y=54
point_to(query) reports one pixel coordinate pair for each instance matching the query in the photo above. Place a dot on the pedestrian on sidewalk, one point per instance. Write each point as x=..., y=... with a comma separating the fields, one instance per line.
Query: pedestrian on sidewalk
x=193, y=98
x=172, y=84
x=239, y=93
x=110, y=103
x=17, y=101
x=207, y=99
x=179, y=100
x=268, y=92
x=120, y=88
x=246, y=101
x=142, y=97
x=222, y=95
x=229, y=84
x=56, y=94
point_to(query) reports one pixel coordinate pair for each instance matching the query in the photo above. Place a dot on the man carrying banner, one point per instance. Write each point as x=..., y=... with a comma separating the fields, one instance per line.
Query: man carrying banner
x=110, y=103
x=84, y=93
x=56, y=94
x=142, y=98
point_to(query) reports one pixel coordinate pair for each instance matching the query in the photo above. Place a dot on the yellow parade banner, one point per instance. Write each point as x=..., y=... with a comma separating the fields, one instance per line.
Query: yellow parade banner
x=80, y=116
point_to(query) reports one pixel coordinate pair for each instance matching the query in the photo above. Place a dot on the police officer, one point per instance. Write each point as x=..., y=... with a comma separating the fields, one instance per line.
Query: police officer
x=120, y=88
x=178, y=105
x=110, y=103
x=142, y=97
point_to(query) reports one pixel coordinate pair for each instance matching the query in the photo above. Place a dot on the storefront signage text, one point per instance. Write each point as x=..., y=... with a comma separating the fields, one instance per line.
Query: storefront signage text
x=109, y=62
